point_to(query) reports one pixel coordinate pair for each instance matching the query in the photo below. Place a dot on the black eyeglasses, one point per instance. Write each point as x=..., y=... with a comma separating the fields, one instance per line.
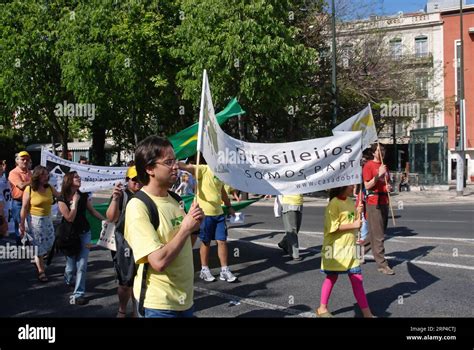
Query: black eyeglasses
x=168, y=162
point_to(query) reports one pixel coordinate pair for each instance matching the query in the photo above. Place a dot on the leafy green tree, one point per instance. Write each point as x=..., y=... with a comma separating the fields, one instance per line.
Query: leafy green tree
x=114, y=57
x=30, y=76
x=252, y=51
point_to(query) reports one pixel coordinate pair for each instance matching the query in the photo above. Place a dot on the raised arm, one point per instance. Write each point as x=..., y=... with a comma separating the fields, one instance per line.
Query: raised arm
x=69, y=214
x=113, y=211
x=190, y=168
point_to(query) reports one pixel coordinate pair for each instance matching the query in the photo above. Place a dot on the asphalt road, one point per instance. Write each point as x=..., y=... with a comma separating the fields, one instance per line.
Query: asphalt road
x=431, y=248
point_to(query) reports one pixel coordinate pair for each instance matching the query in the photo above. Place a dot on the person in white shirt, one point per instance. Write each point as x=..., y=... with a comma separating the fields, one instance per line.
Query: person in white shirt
x=5, y=195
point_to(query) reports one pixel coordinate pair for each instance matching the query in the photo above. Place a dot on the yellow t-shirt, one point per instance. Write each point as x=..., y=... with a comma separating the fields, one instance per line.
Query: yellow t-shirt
x=40, y=202
x=228, y=189
x=339, y=248
x=209, y=194
x=296, y=199
x=171, y=289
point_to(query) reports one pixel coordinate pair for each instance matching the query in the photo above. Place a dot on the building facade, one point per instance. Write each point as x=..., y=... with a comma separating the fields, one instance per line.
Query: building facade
x=452, y=86
x=429, y=42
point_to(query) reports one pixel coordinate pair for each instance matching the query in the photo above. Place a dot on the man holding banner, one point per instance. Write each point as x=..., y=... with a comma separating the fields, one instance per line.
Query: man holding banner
x=210, y=195
x=376, y=181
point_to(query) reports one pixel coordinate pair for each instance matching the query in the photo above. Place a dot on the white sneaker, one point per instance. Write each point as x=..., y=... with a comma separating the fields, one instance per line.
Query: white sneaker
x=207, y=276
x=227, y=276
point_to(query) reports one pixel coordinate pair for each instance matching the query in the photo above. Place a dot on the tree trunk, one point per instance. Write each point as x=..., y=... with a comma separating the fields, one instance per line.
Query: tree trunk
x=98, y=146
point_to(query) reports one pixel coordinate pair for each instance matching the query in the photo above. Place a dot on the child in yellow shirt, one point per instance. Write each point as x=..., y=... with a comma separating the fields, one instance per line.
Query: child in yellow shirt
x=338, y=255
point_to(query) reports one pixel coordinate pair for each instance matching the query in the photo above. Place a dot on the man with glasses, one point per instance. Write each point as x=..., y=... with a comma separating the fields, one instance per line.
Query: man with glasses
x=19, y=178
x=167, y=250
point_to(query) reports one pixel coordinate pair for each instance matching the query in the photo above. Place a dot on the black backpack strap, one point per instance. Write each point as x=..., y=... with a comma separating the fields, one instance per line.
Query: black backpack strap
x=155, y=220
x=178, y=199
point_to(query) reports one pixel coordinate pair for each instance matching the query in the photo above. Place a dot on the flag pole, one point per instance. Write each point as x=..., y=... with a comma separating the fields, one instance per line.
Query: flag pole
x=198, y=159
x=386, y=184
x=200, y=130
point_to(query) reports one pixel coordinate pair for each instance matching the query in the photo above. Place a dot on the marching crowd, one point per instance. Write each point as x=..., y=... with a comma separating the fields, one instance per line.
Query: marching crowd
x=154, y=235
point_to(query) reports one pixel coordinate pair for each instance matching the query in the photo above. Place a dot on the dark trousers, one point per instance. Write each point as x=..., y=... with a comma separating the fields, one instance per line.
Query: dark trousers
x=292, y=222
x=378, y=220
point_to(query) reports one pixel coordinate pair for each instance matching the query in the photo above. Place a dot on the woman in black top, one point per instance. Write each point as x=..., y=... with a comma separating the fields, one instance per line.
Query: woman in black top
x=73, y=205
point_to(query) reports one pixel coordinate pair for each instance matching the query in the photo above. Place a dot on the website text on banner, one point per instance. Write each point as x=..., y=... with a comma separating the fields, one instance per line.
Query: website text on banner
x=278, y=168
x=93, y=178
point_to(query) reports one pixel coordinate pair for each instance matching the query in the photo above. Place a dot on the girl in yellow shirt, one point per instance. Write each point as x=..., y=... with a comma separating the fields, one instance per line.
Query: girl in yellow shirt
x=338, y=255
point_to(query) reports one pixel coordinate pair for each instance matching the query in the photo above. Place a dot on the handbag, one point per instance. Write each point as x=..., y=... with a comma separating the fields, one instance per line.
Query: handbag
x=67, y=240
x=107, y=236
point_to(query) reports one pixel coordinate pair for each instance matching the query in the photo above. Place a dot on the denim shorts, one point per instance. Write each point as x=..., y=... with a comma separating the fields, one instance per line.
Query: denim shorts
x=213, y=228
x=155, y=313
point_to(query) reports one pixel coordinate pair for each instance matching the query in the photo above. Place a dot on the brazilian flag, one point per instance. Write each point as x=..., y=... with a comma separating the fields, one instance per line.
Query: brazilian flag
x=185, y=141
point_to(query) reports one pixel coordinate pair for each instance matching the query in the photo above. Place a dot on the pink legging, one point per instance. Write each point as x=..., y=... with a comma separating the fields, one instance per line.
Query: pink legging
x=357, y=288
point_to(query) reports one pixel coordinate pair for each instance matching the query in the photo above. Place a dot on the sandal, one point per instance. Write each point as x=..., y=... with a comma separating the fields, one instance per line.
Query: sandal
x=121, y=314
x=326, y=314
x=42, y=277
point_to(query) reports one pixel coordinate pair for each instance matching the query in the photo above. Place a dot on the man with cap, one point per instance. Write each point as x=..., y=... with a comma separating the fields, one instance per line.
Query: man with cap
x=19, y=178
x=124, y=264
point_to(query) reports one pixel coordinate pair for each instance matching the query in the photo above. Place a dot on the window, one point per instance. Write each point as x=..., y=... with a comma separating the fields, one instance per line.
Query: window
x=396, y=48
x=421, y=121
x=346, y=55
x=421, y=46
x=422, y=86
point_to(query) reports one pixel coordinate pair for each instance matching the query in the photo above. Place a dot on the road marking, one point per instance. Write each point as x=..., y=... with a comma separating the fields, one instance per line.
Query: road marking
x=253, y=302
x=442, y=221
x=388, y=257
x=423, y=262
x=312, y=233
x=272, y=230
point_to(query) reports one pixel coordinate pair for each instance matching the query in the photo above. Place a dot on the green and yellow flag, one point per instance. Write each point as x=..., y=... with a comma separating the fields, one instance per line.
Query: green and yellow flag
x=185, y=141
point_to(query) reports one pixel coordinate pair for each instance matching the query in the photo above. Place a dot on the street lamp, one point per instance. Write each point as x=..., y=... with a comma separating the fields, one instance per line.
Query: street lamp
x=460, y=148
x=334, y=86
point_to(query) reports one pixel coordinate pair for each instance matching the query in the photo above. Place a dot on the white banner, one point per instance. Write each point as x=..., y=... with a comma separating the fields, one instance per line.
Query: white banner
x=93, y=178
x=278, y=168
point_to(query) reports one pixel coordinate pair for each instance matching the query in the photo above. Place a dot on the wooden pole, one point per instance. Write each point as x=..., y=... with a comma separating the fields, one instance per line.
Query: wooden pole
x=198, y=160
x=385, y=178
x=361, y=250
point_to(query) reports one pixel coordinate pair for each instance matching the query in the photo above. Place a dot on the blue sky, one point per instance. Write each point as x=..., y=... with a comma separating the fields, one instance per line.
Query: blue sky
x=391, y=7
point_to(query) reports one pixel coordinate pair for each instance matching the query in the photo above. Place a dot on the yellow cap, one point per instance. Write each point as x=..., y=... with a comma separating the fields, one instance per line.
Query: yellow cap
x=131, y=172
x=23, y=154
